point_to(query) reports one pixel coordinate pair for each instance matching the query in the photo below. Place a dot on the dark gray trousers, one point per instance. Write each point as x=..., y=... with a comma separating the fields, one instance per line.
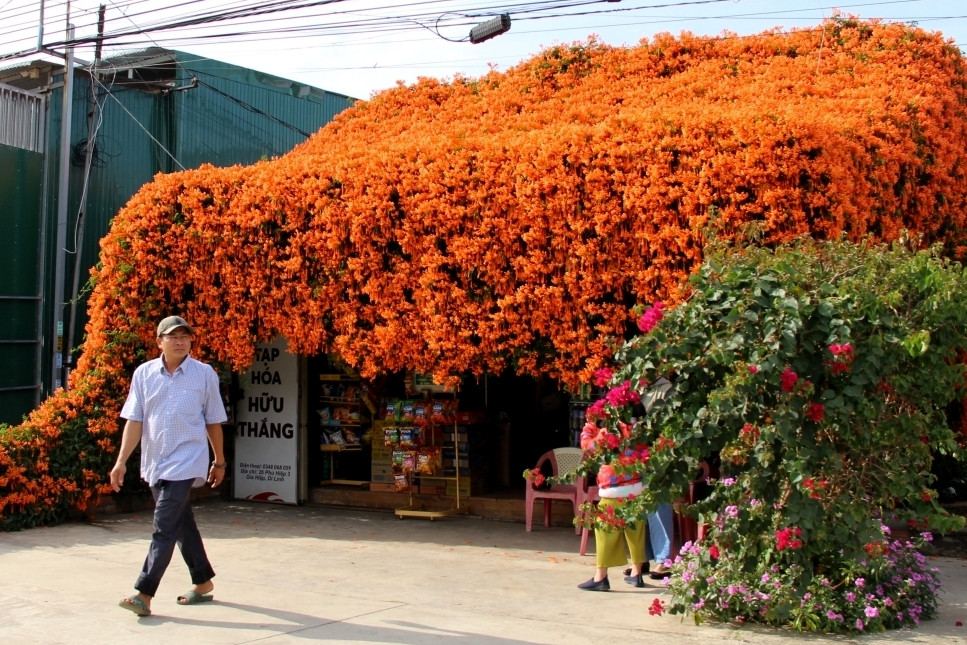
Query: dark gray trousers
x=174, y=523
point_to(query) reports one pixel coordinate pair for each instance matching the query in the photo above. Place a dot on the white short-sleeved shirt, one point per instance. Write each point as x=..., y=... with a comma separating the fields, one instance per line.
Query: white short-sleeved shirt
x=174, y=410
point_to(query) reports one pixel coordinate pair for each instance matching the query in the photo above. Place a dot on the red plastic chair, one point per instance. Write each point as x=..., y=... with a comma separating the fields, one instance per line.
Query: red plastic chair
x=562, y=461
x=686, y=528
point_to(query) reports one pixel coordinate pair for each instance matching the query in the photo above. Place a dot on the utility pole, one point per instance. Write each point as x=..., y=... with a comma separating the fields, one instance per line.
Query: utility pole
x=40, y=28
x=93, y=109
x=63, y=195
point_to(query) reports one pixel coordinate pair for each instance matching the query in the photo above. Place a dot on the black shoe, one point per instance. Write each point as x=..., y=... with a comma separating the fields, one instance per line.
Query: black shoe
x=635, y=581
x=644, y=569
x=661, y=575
x=591, y=585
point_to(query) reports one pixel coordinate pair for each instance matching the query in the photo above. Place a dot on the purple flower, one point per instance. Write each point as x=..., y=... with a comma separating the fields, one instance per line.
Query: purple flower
x=859, y=624
x=860, y=582
x=871, y=612
x=850, y=596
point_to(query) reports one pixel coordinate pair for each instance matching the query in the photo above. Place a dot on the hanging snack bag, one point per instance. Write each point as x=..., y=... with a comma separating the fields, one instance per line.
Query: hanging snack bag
x=409, y=461
x=391, y=411
x=450, y=411
x=408, y=414
x=397, y=458
x=421, y=413
x=438, y=411
x=401, y=482
x=391, y=435
x=428, y=461
x=406, y=437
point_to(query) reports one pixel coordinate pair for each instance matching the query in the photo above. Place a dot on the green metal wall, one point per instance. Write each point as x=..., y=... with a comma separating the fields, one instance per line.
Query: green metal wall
x=233, y=116
x=20, y=241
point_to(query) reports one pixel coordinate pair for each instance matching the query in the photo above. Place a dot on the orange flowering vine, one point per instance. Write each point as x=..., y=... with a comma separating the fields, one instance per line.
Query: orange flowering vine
x=513, y=221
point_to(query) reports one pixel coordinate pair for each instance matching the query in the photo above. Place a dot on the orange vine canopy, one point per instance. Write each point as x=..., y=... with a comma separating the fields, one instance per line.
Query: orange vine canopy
x=512, y=221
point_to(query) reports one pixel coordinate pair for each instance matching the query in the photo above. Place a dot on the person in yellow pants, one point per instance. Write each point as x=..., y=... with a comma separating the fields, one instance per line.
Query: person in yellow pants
x=608, y=547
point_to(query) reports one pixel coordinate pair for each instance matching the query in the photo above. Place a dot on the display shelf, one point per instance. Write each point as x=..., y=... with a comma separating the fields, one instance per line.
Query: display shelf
x=339, y=410
x=412, y=509
x=331, y=450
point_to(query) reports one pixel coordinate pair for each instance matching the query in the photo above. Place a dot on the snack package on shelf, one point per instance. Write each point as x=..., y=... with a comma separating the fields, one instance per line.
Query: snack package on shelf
x=428, y=461
x=407, y=412
x=409, y=461
x=409, y=437
x=421, y=412
x=438, y=411
x=391, y=435
x=401, y=482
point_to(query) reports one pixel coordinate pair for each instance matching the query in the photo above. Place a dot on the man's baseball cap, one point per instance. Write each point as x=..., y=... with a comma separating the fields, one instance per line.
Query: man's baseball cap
x=172, y=323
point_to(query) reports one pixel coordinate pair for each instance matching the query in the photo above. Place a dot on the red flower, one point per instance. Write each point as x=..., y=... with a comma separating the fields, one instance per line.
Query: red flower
x=536, y=477
x=785, y=539
x=876, y=549
x=789, y=379
x=657, y=607
x=816, y=412
x=753, y=369
x=713, y=552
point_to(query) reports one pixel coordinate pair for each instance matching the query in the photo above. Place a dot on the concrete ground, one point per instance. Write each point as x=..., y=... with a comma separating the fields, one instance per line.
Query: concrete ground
x=300, y=574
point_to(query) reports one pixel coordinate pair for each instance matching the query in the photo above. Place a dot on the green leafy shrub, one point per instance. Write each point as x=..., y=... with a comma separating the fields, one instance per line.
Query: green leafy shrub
x=818, y=374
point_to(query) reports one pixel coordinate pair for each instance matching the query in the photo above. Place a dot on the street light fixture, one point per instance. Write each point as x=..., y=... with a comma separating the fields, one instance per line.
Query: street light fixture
x=491, y=28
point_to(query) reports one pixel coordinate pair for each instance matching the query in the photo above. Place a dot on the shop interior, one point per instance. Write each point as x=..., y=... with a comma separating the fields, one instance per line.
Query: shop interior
x=503, y=424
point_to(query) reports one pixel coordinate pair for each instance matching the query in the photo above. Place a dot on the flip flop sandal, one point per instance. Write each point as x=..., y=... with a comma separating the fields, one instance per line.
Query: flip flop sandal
x=193, y=598
x=135, y=604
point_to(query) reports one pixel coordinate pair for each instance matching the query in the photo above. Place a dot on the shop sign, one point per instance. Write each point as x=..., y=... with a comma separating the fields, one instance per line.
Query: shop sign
x=266, y=429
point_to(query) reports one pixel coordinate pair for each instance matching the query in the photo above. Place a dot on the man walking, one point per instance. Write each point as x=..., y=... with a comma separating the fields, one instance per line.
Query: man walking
x=174, y=411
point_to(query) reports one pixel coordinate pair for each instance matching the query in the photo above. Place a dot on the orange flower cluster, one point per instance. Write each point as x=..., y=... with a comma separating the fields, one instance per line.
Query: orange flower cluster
x=513, y=221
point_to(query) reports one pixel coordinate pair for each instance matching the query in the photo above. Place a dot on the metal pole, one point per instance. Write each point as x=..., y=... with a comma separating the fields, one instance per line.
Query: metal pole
x=63, y=195
x=40, y=28
x=92, y=118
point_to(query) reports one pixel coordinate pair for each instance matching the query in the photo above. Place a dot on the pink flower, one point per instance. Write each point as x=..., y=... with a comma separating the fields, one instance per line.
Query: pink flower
x=657, y=607
x=589, y=435
x=595, y=410
x=753, y=369
x=713, y=552
x=602, y=376
x=788, y=379
x=622, y=395
x=651, y=317
x=816, y=412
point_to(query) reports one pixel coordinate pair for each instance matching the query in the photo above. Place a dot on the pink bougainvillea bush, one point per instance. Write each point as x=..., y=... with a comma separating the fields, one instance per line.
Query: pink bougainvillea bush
x=816, y=380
